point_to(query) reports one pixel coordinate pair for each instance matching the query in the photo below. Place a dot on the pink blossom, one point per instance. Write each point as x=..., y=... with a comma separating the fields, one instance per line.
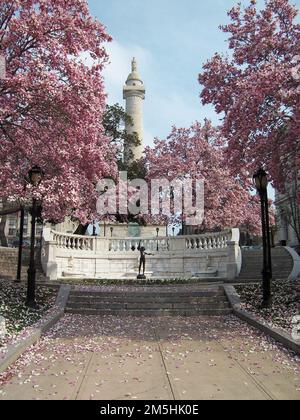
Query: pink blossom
x=51, y=105
x=257, y=89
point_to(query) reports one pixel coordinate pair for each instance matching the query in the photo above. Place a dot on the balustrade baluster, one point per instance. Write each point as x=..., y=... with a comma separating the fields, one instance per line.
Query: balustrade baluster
x=223, y=241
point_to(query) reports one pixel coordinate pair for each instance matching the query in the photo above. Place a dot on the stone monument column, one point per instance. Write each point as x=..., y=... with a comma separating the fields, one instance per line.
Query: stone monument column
x=134, y=95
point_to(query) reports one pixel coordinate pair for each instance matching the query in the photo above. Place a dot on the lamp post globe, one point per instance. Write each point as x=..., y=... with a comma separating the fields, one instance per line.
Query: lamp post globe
x=261, y=181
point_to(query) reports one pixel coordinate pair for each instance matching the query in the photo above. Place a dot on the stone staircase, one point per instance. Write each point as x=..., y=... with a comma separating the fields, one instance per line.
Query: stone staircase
x=208, y=301
x=253, y=263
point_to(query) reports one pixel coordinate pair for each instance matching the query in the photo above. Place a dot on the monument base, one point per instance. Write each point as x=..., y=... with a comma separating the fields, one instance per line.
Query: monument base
x=141, y=277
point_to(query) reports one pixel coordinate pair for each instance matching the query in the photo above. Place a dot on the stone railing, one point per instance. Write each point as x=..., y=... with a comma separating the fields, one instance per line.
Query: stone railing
x=194, y=243
x=133, y=244
x=74, y=242
x=66, y=255
x=164, y=244
x=206, y=242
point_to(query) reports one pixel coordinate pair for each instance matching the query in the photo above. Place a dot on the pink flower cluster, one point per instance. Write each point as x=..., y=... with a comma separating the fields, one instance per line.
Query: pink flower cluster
x=257, y=89
x=51, y=105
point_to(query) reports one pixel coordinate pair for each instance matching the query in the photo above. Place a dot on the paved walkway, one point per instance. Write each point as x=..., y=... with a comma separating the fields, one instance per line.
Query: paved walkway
x=166, y=358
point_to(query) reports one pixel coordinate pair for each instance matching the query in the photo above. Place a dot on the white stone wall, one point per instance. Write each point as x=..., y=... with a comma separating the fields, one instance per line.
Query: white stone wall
x=203, y=256
x=285, y=232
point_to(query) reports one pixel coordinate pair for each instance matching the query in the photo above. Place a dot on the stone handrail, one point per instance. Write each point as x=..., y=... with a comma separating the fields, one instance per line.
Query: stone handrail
x=68, y=255
x=132, y=244
x=191, y=243
x=208, y=241
x=76, y=242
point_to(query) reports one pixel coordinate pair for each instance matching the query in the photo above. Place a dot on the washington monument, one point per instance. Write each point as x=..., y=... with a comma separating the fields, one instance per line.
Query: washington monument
x=134, y=95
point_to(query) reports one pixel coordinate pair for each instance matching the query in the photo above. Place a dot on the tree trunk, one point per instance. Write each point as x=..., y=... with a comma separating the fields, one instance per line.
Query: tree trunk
x=3, y=240
x=81, y=230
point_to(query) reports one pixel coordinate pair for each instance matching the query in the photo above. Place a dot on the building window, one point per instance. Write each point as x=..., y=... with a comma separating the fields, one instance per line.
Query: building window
x=39, y=229
x=13, y=223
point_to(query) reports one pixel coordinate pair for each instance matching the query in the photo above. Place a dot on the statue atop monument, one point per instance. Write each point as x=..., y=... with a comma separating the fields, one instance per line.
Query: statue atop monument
x=134, y=65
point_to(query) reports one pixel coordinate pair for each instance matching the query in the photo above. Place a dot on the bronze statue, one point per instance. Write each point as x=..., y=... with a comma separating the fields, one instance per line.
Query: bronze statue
x=143, y=254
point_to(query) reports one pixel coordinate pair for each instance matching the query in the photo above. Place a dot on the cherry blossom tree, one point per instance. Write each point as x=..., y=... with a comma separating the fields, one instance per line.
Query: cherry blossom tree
x=198, y=152
x=256, y=87
x=51, y=105
x=114, y=122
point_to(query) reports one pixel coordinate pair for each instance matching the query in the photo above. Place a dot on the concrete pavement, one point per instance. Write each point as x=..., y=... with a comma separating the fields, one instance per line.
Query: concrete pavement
x=176, y=358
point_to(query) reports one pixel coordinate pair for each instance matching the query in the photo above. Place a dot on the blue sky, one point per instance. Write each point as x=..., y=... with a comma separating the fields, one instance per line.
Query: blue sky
x=171, y=40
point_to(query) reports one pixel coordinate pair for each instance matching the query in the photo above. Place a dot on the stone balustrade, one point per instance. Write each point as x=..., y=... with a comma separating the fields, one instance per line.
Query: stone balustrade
x=206, y=242
x=193, y=243
x=75, y=242
x=213, y=254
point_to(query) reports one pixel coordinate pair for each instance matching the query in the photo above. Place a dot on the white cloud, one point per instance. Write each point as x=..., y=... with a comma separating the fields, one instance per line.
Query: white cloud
x=165, y=105
x=117, y=70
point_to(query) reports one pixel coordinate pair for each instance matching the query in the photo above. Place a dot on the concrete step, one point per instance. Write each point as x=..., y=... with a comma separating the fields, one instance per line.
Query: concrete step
x=260, y=266
x=249, y=272
x=252, y=265
x=152, y=313
x=148, y=295
x=144, y=300
x=146, y=306
x=151, y=302
x=283, y=273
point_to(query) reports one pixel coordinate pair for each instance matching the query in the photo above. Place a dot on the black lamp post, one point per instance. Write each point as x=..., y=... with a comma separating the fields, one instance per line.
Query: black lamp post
x=35, y=177
x=157, y=233
x=261, y=183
